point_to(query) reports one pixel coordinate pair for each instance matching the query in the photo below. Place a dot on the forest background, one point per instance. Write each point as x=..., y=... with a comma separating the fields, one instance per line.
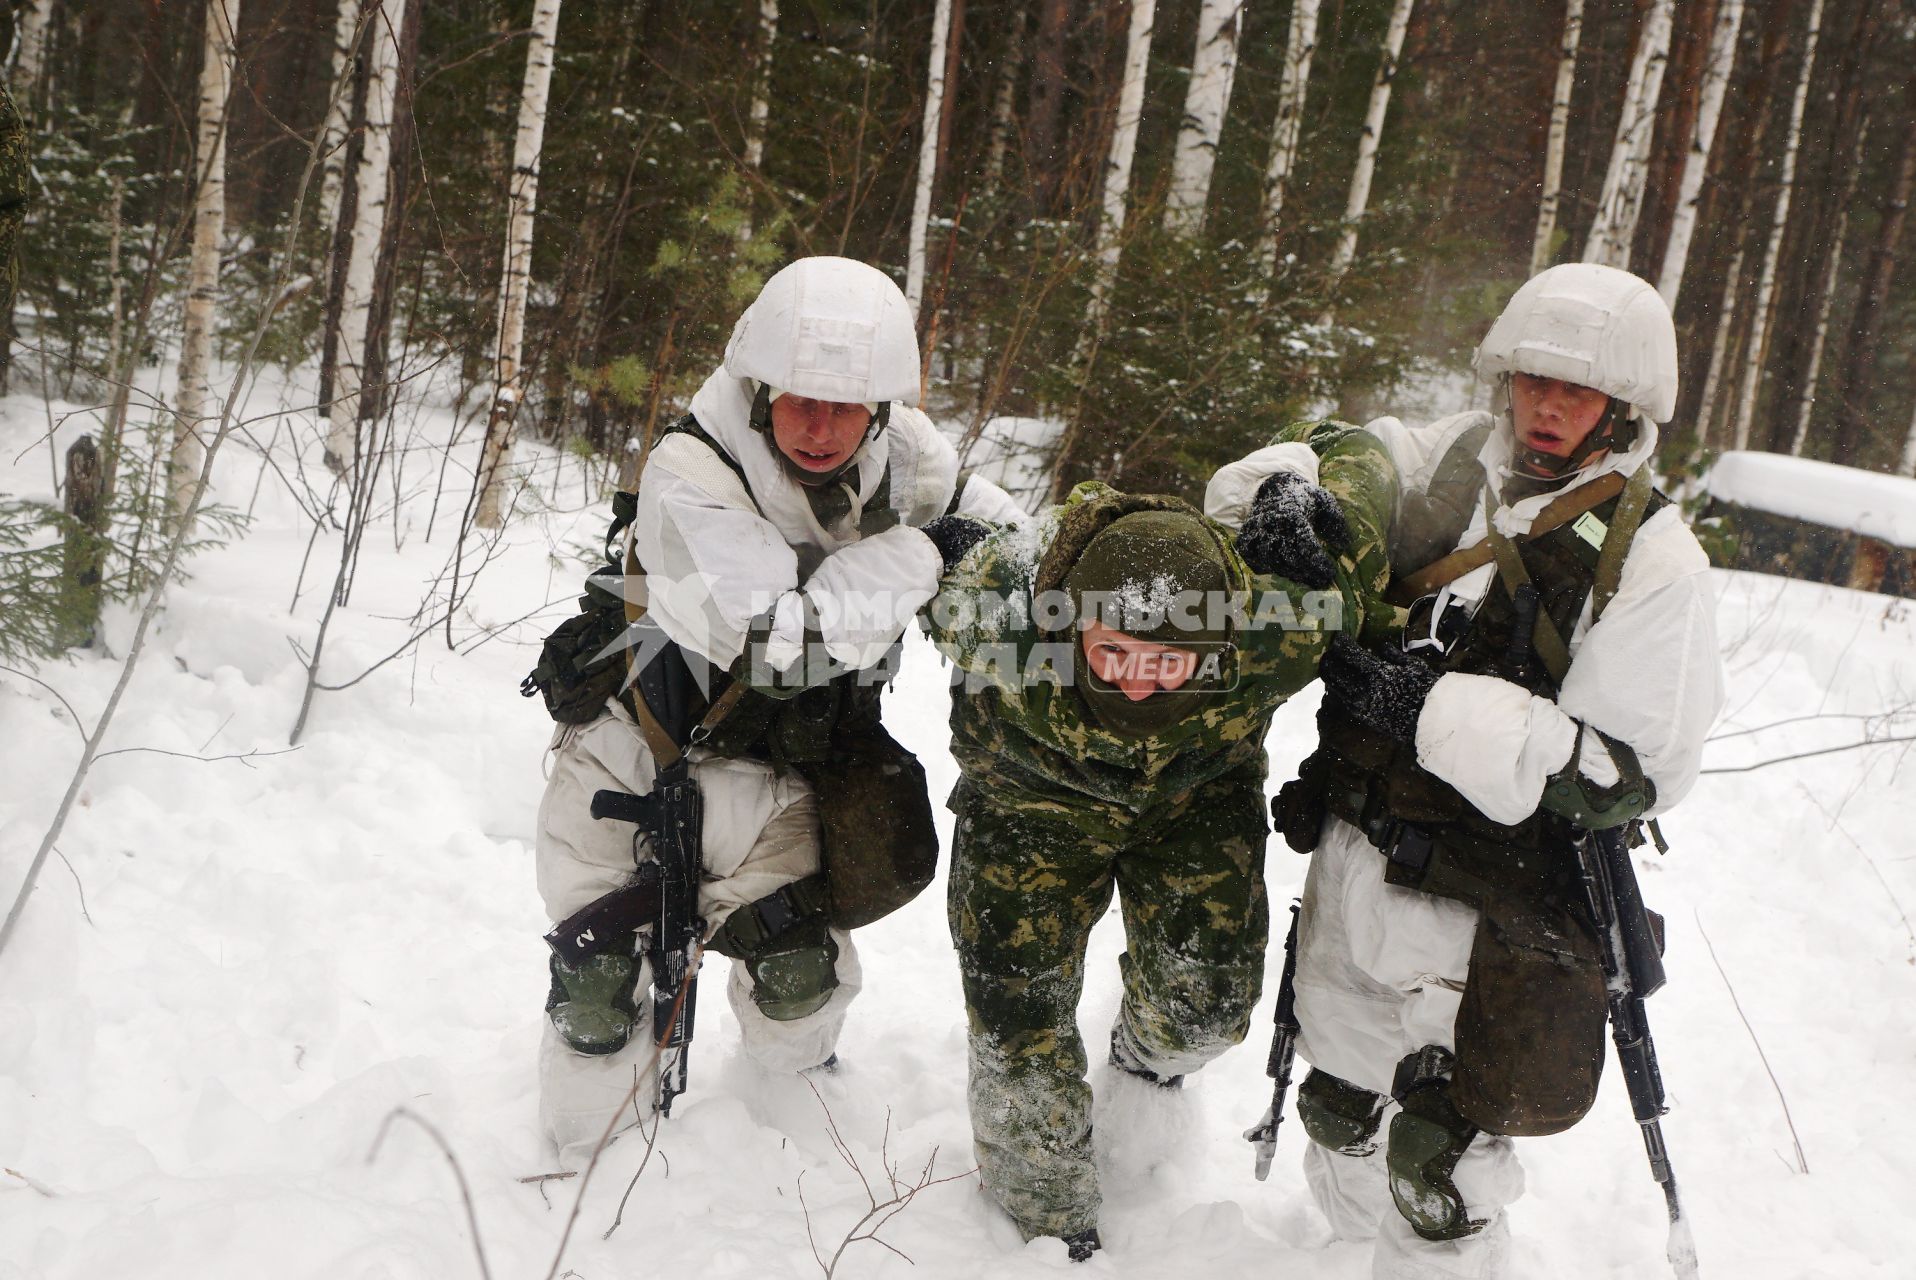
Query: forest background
x=1155, y=227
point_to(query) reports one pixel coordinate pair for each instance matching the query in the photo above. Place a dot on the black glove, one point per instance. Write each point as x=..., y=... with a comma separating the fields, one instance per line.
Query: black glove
x=1292, y=531
x=1383, y=693
x=954, y=536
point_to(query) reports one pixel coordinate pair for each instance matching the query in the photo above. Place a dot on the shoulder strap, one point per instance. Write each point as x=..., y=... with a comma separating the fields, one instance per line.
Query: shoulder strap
x=1455, y=565
x=1616, y=542
x=1544, y=635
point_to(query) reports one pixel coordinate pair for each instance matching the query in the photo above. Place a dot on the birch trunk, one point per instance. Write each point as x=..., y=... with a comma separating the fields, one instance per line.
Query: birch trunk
x=760, y=110
x=927, y=156
x=1373, y=133
x=31, y=60
x=1908, y=465
x=1206, y=101
x=1719, y=347
x=521, y=203
x=1291, y=92
x=1766, y=283
x=1117, y=165
x=369, y=225
x=1826, y=297
x=1615, y=225
x=1541, y=248
x=209, y=225
x=1696, y=161
x=339, y=115
x=1005, y=99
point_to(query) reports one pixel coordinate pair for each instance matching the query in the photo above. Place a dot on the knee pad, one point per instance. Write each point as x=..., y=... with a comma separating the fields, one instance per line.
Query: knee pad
x=787, y=948
x=591, y=1005
x=1427, y=1139
x=1338, y=1115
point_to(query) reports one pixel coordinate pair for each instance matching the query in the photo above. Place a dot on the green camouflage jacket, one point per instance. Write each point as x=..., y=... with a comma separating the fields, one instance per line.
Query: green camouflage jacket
x=1025, y=737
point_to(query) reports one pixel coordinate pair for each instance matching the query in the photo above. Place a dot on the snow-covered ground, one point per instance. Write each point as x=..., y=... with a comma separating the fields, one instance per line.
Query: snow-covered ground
x=240, y=970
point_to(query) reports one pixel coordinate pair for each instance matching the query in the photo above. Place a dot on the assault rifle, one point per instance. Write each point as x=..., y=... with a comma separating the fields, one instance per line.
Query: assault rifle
x=1633, y=971
x=1263, y=1136
x=667, y=892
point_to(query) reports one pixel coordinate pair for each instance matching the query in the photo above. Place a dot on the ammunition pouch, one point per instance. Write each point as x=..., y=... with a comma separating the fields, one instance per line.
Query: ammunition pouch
x=1530, y=1030
x=1298, y=809
x=786, y=946
x=878, y=843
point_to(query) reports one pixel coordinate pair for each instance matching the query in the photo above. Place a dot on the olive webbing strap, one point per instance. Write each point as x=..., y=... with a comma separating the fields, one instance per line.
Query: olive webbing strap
x=1617, y=540
x=1565, y=508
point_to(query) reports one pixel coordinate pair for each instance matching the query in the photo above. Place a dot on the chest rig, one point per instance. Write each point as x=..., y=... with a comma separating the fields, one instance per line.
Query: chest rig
x=1435, y=840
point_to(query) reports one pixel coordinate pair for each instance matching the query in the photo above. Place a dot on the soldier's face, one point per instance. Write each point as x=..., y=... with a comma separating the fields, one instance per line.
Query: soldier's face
x=1553, y=416
x=818, y=435
x=1139, y=668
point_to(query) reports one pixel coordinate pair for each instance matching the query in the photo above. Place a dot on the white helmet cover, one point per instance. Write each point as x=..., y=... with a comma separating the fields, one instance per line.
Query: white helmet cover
x=830, y=329
x=1594, y=326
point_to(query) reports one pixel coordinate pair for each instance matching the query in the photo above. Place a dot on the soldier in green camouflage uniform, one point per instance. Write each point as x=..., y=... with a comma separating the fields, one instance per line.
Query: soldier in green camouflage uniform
x=1068, y=792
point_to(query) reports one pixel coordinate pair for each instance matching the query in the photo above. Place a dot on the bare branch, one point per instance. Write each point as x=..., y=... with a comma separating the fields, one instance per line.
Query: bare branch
x=77, y=725
x=465, y=1192
x=1805, y=755
x=1802, y=1164
x=76, y=884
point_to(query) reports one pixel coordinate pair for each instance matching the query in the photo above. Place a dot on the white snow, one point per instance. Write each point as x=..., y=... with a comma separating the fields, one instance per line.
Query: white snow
x=283, y=950
x=1868, y=502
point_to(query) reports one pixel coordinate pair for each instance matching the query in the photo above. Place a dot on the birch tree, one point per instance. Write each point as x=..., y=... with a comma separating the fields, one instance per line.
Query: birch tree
x=1908, y=465
x=1825, y=299
x=1766, y=282
x=1206, y=101
x=1004, y=99
x=1359, y=199
x=339, y=114
x=1298, y=48
x=1615, y=225
x=1719, y=63
x=1719, y=346
x=1117, y=165
x=760, y=110
x=203, y=277
x=927, y=156
x=34, y=20
x=1541, y=246
x=521, y=202
x=369, y=226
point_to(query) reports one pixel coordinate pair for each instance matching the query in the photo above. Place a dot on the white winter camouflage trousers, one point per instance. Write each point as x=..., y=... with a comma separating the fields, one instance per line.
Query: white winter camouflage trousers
x=761, y=832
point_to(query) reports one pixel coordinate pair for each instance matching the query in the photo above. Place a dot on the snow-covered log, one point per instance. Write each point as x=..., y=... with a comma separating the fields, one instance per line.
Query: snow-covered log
x=369, y=224
x=1206, y=101
x=195, y=396
x=927, y=156
x=521, y=204
x=1359, y=199
x=1766, y=282
x=1117, y=164
x=1622, y=199
x=1540, y=246
x=1718, y=64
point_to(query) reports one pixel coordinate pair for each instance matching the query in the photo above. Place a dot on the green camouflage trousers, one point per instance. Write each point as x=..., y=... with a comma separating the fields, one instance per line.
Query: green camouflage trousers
x=1026, y=889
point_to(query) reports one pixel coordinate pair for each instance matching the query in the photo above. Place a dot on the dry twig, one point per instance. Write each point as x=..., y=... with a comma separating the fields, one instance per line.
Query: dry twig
x=1802, y=1164
x=465, y=1192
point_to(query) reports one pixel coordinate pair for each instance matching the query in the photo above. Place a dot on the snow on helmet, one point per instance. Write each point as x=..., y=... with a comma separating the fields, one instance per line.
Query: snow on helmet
x=829, y=329
x=1595, y=326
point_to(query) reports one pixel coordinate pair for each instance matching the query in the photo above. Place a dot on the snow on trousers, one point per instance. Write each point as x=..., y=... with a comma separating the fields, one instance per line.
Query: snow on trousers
x=761, y=832
x=1026, y=888
x=1380, y=974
